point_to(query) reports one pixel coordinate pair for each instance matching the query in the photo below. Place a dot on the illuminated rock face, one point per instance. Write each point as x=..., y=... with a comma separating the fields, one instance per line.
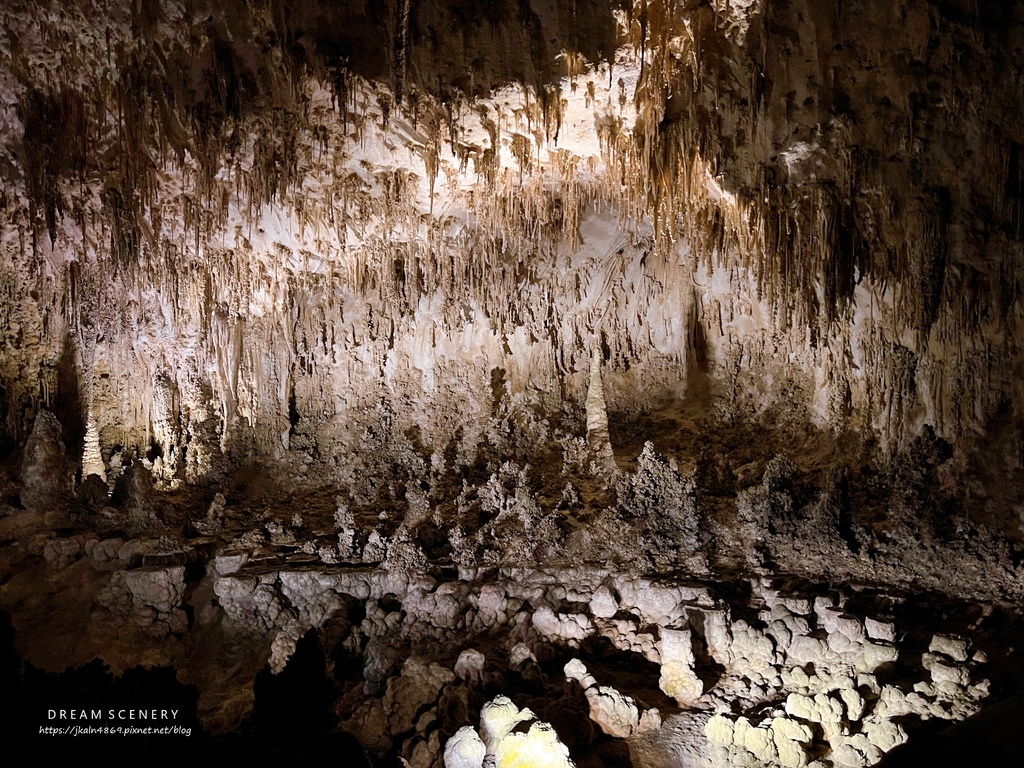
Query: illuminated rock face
x=799, y=678
x=538, y=747
x=253, y=251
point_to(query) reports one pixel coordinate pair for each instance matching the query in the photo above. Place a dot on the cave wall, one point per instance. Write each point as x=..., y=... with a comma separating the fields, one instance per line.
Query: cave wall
x=300, y=235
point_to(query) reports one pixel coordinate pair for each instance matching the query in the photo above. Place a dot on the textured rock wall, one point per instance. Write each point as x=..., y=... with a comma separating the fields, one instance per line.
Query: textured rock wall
x=762, y=671
x=300, y=234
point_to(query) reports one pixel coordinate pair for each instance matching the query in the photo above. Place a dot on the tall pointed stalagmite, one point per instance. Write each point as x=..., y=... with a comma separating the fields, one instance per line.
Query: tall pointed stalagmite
x=92, y=455
x=598, y=438
x=92, y=458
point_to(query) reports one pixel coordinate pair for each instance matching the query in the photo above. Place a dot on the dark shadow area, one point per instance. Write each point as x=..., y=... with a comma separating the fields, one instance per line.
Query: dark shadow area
x=459, y=48
x=291, y=721
x=118, y=717
x=7, y=425
x=67, y=406
x=294, y=706
x=992, y=738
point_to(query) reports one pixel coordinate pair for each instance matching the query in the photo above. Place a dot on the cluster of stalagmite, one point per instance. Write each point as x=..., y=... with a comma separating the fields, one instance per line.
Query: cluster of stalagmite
x=807, y=677
x=620, y=630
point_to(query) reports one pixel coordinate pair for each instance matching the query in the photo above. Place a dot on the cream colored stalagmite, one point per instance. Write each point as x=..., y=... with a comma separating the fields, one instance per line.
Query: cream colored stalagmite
x=598, y=438
x=92, y=458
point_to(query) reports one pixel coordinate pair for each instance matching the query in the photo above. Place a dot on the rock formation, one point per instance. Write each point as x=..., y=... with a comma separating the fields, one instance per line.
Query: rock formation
x=517, y=382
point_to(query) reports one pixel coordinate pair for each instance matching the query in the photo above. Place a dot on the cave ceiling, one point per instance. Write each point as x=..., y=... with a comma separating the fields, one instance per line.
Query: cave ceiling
x=222, y=217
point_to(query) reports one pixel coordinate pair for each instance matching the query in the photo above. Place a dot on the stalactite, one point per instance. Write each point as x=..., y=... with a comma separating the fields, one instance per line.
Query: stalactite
x=172, y=189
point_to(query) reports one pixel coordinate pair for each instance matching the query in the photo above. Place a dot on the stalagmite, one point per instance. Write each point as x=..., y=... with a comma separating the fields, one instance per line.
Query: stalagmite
x=92, y=458
x=678, y=678
x=598, y=437
x=501, y=746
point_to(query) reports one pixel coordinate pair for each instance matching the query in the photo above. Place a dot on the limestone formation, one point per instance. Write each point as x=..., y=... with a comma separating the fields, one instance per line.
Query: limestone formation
x=654, y=363
x=678, y=678
x=497, y=744
x=465, y=749
x=47, y=479
x=615, y=714
x=597, y=413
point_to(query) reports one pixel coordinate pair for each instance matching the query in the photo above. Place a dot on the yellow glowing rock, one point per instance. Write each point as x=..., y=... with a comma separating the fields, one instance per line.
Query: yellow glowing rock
x=498, y=718
x=538, y=748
